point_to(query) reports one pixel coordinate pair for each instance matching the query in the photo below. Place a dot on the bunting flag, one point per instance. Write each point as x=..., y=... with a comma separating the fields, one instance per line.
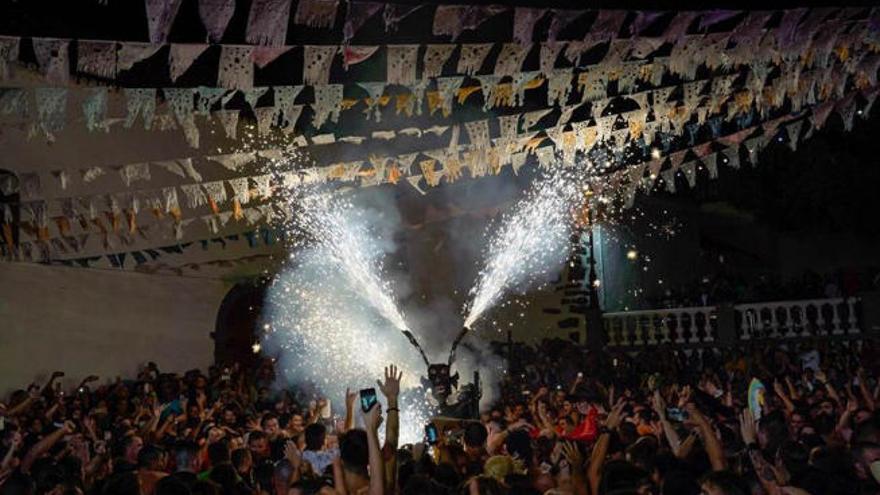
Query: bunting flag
x=236, y=68
x=316, y=13
x=160, y=17
x=471, y=58
x=435, y=58
x=215, y=15
x=447, y=87
x=318, y=60
x=95, y=109
x=452, y=20
x=401, y=64
x=52, y=59
x=524, y=20
x=327, y=103
x=181, y=58
x=131, y=53
x=96, y=58
x=606, y=26
x=511, y=58
x=267, y=22
x=229, y=120
x=51, y=109
x=9, y=47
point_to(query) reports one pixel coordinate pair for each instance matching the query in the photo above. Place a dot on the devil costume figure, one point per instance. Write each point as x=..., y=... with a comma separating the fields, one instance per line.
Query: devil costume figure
x=448, y=398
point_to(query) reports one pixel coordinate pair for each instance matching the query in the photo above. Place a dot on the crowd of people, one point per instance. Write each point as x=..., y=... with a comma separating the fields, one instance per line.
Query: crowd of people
x=566, y=421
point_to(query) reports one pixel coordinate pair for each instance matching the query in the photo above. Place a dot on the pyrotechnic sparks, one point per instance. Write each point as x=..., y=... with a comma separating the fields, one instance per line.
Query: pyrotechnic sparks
x=332, y=309
x=530, y=241
x=345, y=238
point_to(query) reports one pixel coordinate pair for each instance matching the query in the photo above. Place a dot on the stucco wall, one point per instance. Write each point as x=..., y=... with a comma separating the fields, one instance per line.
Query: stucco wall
x=101, y=322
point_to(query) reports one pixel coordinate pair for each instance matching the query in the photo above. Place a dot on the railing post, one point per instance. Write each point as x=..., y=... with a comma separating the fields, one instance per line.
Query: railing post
x=726, y=322
x=851, y=319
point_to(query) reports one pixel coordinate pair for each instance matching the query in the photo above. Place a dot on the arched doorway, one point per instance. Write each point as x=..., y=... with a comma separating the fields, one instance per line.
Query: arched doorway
x=237, y=320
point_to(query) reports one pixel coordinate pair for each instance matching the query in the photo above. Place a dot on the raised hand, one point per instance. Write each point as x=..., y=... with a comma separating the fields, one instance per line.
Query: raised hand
x=391, y=387
x=350, y=398
x=572, y=454
x=373, y=418
x=659, y=404
x=747, y=427
x=615, y=417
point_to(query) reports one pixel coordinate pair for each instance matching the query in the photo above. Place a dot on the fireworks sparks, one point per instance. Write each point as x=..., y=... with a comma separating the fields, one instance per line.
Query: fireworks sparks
x=531, y=241
x=333, y=312
x=346, y=239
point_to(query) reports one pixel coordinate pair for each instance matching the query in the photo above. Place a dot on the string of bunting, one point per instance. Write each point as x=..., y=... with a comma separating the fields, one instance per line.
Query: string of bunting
x=661, y=115
x=450, y=167
x=183, y=104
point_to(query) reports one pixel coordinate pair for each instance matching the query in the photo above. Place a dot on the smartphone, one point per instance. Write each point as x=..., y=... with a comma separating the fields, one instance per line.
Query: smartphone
x=368, y=399
x=326, y=409
x=676, y=414
x=431, y=435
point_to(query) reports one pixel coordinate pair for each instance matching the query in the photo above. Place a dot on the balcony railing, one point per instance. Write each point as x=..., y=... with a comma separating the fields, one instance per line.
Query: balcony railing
x=727, y=325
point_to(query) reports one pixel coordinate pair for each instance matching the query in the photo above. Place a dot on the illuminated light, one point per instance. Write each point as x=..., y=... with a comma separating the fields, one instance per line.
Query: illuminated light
x=655, y=153
x=256, y=348
x=597, y=283
x=267, y=326
x=653, y=176
x=632, y=254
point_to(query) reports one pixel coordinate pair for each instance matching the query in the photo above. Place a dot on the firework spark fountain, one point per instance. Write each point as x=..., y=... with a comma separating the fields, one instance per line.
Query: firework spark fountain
x=339, y=228
x=529, y=242
x=332, y=310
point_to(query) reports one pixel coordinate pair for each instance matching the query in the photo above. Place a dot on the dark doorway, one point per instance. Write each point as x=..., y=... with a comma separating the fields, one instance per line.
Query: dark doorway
x=236, y=329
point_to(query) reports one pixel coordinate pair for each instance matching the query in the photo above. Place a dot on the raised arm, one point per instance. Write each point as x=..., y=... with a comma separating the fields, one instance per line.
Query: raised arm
x=832, y=392
x=710, y=439
x=783, y=396
x=576, y=463
x=350, y=399
x=600, y=451
x=45, y=445
x=672, y=437
x=391, y=390
x=372, y=420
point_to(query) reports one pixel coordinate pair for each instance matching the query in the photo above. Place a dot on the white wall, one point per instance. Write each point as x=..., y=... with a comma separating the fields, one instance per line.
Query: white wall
x=86, y=321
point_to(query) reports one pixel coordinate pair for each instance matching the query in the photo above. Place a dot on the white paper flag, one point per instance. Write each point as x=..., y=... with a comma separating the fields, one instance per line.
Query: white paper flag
x=267, y=22
x=160, y=17
x=236, y=70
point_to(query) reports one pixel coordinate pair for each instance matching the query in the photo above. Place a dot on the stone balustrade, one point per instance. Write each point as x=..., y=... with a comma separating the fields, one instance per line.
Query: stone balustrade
x=707, y=326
